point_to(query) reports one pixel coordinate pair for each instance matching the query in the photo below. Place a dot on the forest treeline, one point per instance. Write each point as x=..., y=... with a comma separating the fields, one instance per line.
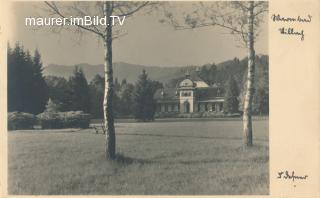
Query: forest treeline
x=29, y=90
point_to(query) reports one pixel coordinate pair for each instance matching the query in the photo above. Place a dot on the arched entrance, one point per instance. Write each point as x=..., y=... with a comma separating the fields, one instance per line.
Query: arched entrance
x=186, y=106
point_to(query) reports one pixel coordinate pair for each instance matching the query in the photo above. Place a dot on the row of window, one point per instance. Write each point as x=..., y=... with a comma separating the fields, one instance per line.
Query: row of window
x=189, y=93
x=210, y=107
x=185, y=93
x=201, y=107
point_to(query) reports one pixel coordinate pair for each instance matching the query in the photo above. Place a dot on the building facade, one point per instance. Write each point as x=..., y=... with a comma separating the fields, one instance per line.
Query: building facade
x=191, y=95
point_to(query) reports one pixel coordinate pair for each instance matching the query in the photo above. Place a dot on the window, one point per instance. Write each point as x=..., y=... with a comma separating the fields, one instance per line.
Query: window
x=186, y=93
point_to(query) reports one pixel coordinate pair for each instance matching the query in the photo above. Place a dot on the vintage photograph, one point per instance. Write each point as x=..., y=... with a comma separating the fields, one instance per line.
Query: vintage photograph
x=138, y=98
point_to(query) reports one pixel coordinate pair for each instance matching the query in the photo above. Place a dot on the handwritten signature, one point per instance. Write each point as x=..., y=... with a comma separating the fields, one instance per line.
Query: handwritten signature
x=291, y=31
x=279, y=18
x=290, y=176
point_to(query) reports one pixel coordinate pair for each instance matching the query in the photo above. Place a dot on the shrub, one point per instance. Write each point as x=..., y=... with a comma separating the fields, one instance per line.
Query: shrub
x=76, y=119
x=20, y=120
x=71, y=119
x=50, y=120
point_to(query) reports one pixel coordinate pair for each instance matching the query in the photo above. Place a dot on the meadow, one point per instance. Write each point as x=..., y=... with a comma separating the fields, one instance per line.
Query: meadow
x=164, y=158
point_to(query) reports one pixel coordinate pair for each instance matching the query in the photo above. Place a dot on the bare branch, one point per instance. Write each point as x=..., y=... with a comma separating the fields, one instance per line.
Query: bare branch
x=56, y=10
x=231, y=16
x=131, y=12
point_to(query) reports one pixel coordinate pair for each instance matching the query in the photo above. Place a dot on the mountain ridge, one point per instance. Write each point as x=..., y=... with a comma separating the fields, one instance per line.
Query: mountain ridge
x=128, y=71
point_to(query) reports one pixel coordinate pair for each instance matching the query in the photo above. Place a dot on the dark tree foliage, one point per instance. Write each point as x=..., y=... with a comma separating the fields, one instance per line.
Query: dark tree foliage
x=117, y=85
x=261, y=102
x=80, y=96
x=231, y=102
x=126, y=94
x=39, y=87
x=208, y=73
x=96, y=94
x=59, y=92
x=123, y=82
x=144, y=103
x=27, y=90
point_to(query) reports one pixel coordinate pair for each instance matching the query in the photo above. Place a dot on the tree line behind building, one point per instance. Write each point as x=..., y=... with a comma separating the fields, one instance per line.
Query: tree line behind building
x=29, y=90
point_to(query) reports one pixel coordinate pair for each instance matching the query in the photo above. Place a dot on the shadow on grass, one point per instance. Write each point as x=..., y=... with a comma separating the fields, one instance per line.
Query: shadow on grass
x=125, y=160
x=258, y=159
x=247, y=157
x=188, y=136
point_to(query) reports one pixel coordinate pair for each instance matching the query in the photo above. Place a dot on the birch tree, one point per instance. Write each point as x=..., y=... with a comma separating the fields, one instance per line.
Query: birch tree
x=241, y=19
x=112, y=10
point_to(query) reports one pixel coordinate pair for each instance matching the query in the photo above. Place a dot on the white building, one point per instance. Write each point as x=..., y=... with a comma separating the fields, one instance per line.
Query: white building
x=191, y=95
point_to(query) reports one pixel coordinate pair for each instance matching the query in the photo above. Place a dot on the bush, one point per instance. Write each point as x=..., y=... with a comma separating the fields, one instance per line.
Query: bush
x=50, y=120
x=20, y=120
x=76, y=119
x=71, y=119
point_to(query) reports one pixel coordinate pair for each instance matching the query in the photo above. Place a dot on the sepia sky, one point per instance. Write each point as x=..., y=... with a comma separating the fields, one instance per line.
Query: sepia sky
x=147, y=42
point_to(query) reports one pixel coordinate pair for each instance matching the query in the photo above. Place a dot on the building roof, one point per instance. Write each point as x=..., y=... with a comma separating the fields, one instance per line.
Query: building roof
x=209, y=93
x=187, y=83
x=201, y=84
x=203, y=91
x=166, y=94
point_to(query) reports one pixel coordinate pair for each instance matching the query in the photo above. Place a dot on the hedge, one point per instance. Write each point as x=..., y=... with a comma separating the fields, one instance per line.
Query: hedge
x=20, y=120
x=70, y=119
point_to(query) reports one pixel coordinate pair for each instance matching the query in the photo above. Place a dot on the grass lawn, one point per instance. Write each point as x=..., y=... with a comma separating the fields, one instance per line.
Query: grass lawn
x=173, y=158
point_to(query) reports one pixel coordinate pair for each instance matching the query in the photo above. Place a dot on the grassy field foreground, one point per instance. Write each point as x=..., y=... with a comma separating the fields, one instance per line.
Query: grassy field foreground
x=174, y=158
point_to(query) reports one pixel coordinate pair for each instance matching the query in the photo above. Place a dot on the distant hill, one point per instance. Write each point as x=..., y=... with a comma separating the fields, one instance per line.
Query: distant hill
x=121, y=70
x=163, y=74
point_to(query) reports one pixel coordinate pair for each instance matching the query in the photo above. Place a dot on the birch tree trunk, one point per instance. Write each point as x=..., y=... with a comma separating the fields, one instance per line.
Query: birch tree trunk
x=108, y=91
x=247, y=120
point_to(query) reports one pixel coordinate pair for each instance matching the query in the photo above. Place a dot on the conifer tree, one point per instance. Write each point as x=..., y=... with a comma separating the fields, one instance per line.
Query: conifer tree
x=231, y=102
x=127, y=91
x=27, y=91
x=39, y=89
x=79, y=91
x=144, y=107
x=96, y=94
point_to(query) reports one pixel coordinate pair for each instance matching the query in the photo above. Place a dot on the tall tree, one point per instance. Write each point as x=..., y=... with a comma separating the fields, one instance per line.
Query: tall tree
x=107, y=33
x=127, y=91
x=27, y=91
x=80, y=91
x=261, y=102
x=96, y=94
x=242, y=19
x=231, y=102
x=40, y=89
x=144, y=103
